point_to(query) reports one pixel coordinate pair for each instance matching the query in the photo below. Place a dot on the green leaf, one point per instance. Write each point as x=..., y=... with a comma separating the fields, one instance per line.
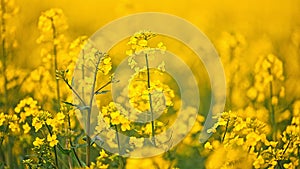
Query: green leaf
x=68, y=103
x=77, y=106
x=102, y=92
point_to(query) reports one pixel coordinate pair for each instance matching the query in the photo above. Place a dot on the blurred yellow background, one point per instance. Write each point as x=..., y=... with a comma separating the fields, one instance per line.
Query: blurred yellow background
x=267, y=26
x=254, y=19
x=243, y=32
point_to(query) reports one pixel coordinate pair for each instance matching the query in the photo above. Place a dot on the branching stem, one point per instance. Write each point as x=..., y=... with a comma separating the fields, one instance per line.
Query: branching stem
x=150, y=100
x=88, y=122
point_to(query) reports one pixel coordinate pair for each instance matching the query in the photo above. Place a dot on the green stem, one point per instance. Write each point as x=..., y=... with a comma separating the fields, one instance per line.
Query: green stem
x=1, y=142
x=106, y=84
x=229, y=103
x=150, y=101
x=82, y=102
x=54, y=148
x=118, y=139
x=88, y=123
x=121, y=162
x=5, y=131
x=286, y=147
x=4, y=55
x=83, y=74
x=249, y=149
x=4, y=68
x=55, y=63
x=272, y=111
x=71, y=143
x=75, y=92
x=226, y=128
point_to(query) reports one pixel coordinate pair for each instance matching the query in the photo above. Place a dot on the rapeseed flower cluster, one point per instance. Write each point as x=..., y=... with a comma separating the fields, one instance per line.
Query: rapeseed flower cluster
x=162, y=95
x=115, y=115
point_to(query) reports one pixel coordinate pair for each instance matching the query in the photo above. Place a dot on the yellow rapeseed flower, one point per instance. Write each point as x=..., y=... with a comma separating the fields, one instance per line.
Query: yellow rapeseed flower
x=60, y=116
x=52, y=140
x=103, y=154
x=139, y=42
x=2, y=118
x=125, y=126
x=208, y=146
x=252, y=139
x=37, y=124
x=115, y=118
x=38, y=141
x=14, y=127
x=105, y=64
x=26, y=128
x=100, y=165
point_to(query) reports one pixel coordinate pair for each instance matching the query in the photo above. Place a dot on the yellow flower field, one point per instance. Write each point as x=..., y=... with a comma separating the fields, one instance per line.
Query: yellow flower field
x=148, y=101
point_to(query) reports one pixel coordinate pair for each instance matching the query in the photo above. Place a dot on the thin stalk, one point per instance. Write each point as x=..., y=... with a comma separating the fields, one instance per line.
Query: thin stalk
x=286, y=147
x=226, y=129
x=118, y=140
x=284, y=151
x=299, y=151
x=150, y=100
x=55, y=63
x=1, y=141
x=83, y=103
x=231, y=50
x=70, y=162
x=4, y=55
x=106, y=84
x=83, y=74
x=56, y=80
x=75, y=92
x=121, y=163
x=71, y=143
x=54, y=148
x=5, y=131
x=272, y=111
x=88, y=148
x=4, y=68
x=249, y=149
